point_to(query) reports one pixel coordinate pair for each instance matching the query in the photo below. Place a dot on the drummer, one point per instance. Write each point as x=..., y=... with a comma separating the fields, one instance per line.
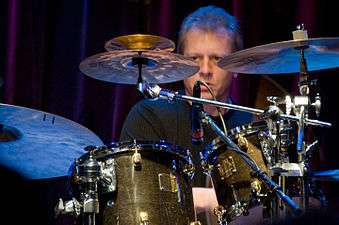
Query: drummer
x=206, y=36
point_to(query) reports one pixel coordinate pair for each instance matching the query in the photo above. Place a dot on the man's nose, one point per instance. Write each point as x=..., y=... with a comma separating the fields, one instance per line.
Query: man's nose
x=205, y=67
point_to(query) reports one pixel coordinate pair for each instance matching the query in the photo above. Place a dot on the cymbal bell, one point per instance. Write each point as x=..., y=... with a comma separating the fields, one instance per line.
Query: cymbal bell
x=119, y=67
x=40, y=145
x=284, y=57
x=140, y=42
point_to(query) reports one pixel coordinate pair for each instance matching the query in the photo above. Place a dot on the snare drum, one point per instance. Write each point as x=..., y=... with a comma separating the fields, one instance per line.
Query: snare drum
x=231, y=176
x=146, y=183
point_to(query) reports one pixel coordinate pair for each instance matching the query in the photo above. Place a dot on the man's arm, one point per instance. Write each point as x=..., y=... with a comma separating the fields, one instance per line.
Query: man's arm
x=204, y=199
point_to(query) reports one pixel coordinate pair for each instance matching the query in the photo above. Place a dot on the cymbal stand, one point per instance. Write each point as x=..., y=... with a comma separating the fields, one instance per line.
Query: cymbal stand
x=141, y=61
x=300, y=106
x=89, y=174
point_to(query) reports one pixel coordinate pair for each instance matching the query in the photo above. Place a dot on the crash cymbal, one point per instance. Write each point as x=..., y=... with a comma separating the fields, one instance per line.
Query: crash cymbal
x=119, y=67
x=140, y=42
x=284, y=57
x=326, y=175
x=40, y=145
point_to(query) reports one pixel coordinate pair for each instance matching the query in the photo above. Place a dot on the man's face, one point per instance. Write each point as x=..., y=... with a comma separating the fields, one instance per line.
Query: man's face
x=207, y=48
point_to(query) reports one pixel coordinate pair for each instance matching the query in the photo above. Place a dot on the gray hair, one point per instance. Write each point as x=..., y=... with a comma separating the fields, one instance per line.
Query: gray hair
x=211, y=19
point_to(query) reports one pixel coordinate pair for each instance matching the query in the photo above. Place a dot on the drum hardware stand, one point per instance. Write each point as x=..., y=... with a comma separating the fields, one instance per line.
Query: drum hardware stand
x=276, y=142
x=281, y=167
x=68, y=207
x=275, y=145
x=89, y=173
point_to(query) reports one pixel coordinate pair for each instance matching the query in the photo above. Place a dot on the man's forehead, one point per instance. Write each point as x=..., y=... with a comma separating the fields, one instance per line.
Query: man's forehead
x=214, y=43
x=219, y=31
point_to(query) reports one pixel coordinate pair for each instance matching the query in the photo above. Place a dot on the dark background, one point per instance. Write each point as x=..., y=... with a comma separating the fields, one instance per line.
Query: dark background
x=43, y=42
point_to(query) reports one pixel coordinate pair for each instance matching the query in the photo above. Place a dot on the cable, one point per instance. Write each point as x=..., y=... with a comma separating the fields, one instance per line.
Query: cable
x=218, y=109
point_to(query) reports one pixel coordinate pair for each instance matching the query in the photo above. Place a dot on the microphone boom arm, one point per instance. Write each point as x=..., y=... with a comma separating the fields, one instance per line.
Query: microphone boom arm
x=154, y=91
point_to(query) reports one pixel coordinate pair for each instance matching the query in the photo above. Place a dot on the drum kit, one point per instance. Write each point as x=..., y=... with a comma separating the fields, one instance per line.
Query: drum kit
x=146, y=183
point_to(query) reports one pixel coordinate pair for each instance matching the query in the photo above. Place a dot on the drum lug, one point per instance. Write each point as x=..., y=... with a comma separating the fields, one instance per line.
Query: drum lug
x=136, y=158
x=268, y=144
x=242, y=142
x=256, y=193
x=144, y=218
x=207, y=168
x=256, y=186
x=220, y=212
x=189, y=168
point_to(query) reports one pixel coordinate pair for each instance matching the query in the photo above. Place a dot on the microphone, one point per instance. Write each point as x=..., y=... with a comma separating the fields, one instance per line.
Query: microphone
x=197, y=130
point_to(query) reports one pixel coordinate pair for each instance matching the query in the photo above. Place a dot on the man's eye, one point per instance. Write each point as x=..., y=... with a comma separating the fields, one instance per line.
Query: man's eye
x=195, y=58
x=216, y=58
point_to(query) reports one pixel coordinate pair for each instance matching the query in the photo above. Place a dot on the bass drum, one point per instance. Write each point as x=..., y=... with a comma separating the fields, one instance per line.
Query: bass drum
x=235, y=188
x=148, y=183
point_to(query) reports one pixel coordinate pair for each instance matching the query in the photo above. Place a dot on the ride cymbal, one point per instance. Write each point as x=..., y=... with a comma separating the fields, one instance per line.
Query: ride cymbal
x=140, y=42
x=284, y=57
x=38, y=144
x=120, y=67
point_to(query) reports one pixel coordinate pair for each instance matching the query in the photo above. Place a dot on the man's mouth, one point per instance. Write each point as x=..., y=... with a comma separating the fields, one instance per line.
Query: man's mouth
x=203, y=88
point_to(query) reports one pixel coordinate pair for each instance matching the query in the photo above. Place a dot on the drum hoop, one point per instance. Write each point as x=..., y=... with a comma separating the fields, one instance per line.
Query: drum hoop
x=141, y=146
x=212, y=149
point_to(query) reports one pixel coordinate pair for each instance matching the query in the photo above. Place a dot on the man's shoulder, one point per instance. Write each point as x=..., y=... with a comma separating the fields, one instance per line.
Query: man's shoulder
x=158, y=105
